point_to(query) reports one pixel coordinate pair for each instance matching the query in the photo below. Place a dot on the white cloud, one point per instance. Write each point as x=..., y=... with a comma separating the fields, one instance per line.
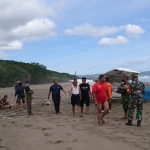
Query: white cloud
x=112, y=41
x=89, y=30
x=35, y=28
x=28, y=20
x=134, y=30
x=16, y=12
x=12, y=46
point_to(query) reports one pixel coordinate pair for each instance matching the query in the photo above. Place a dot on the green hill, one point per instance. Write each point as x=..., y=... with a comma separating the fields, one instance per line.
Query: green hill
x=12, y=71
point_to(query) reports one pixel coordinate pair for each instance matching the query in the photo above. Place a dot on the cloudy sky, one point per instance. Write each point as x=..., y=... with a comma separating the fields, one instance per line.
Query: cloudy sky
x=83, y=35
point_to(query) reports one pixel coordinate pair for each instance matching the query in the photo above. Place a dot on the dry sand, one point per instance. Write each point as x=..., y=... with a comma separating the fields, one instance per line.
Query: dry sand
x=47, y=131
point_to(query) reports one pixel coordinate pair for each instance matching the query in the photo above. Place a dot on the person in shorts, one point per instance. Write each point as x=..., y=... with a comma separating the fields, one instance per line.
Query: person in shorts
x=21, y=95
x=75, y=95
x=85, y=98
x=101, y=96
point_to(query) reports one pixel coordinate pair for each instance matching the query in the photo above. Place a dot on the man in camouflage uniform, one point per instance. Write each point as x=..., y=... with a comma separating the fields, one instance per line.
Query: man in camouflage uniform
x=137, y=89
x=126, y=97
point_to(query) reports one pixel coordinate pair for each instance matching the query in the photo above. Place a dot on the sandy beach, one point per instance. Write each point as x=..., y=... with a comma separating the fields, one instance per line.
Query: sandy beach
x=48, y=131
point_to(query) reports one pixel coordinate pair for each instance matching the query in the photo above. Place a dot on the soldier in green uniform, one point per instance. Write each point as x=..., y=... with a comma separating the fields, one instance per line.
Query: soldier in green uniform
x=137, y=89
x=126, y=97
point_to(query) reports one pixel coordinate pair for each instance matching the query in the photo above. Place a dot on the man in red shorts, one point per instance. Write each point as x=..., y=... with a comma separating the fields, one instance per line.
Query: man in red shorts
x=100, y=94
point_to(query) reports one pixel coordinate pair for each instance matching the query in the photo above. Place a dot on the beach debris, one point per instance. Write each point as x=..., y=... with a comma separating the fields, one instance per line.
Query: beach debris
x=59, y=141
x=47, y=103
x=8, y=118
x=43, y=128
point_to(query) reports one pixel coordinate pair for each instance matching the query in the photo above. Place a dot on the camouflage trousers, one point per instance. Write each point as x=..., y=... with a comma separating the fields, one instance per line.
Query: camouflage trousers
x=136, y=102
x=125, y=105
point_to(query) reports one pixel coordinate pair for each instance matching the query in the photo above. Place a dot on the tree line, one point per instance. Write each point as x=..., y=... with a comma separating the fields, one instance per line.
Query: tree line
x=12, y=71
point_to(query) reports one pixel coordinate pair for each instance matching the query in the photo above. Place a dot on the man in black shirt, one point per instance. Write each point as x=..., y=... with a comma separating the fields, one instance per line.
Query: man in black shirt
x=85, y=91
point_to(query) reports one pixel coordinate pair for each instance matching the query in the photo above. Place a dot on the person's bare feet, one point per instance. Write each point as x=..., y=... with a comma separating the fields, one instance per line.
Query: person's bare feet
x=80, y=115
x=103, y=121
x=100, y=123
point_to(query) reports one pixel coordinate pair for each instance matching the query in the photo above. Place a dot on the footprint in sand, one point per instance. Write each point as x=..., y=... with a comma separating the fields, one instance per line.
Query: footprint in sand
x=73, y=125
x=46, y=134
x=57, y=142
x=69, y=134
x=4, y=147
x=28, y=126
x=47, y=128
x=49, y=142
x=69, y=148
x=75, y=140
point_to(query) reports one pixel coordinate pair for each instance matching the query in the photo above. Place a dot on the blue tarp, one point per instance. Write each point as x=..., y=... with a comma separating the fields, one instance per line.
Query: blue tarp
x=146, y=96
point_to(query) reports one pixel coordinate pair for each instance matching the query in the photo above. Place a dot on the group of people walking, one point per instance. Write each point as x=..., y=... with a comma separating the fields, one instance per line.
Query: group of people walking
x=81, y=94
x=102, y=95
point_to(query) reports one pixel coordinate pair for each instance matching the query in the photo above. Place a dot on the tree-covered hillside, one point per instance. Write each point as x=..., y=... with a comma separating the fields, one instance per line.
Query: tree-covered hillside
x=12, y=71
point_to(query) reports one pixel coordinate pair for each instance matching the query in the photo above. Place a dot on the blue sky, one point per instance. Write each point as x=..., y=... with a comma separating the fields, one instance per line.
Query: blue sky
x=87, y=36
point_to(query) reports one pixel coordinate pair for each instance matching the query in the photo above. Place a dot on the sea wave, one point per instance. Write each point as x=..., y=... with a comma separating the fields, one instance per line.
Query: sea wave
x=144, y=78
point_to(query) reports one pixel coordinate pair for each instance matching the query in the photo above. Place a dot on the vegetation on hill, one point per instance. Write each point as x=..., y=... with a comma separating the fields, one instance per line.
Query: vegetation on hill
x=12, y=71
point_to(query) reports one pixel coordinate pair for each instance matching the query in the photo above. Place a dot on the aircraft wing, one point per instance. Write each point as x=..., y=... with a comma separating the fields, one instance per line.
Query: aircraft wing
x=116, y=75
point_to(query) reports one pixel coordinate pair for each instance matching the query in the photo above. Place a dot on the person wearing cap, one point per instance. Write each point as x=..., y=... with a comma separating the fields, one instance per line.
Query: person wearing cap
x=21, y=96
x=29, y=97
x=137, y=89
x=85, y=92
x=126, y=97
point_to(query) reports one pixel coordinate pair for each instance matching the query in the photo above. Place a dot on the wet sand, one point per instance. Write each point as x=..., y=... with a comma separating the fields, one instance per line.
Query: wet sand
x=45, y=130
